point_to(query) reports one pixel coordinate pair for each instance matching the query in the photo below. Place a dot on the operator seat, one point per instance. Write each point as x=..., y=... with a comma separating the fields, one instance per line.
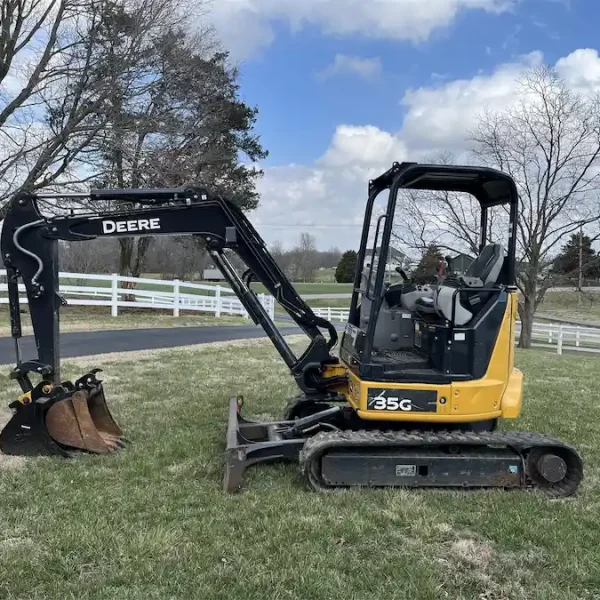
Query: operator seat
x=405, y=295
x=484, y=272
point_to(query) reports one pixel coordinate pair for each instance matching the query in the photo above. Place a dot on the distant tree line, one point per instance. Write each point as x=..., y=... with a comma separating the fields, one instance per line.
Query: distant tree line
x=303, y=261
x=183, y=258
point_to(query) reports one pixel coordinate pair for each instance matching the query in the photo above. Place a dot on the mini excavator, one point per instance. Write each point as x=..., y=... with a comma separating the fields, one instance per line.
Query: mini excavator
x=414, y=398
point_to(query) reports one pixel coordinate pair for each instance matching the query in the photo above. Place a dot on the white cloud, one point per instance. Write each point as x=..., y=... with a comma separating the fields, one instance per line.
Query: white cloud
x=581, y=69
x=330, y=194
x=439, y=117
x=246, y=26
x=365, y=146
x=367, y=68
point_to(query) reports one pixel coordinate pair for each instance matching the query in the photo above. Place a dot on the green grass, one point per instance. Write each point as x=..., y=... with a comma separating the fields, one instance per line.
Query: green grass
x=571, y=306
x=333, y=302
x=153, y=523
x=95, y=318
x=314, y=288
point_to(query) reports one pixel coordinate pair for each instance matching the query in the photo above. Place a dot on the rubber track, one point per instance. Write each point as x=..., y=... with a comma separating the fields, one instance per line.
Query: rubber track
x=521, y=442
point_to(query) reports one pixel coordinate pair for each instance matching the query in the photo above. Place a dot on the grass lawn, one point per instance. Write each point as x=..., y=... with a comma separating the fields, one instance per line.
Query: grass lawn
x=314, y=288
x=153, y=523
x=333, y=302
x=568, y=305
x=94, y=318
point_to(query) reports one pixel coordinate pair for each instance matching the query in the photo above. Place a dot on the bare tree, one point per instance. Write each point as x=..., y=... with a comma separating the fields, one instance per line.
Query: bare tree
x=451, y=220
x=92, y=256
x=549, y=142
x=305, y=257
x=54, y=86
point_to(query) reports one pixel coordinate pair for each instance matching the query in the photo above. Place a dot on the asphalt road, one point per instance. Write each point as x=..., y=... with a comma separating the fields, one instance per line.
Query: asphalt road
x=104, y=342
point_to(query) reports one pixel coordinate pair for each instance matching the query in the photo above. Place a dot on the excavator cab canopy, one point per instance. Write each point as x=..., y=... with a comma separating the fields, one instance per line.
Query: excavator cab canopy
x=491, y=188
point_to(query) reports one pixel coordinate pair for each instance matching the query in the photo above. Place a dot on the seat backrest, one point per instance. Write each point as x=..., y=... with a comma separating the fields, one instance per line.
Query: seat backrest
x=488, y=265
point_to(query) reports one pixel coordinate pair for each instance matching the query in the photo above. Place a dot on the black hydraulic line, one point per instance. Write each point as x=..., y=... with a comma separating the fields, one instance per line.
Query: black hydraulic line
x=148, y=196
x=14, y=305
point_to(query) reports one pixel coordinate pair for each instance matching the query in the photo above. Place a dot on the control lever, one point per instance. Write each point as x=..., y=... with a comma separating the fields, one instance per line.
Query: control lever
x=402, y=273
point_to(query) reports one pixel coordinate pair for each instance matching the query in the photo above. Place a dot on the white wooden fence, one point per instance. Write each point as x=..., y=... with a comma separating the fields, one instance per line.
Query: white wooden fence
x=563, y=337
x=117, y=292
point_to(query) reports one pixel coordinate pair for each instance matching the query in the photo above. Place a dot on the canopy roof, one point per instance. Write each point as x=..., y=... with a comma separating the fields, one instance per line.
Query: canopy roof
x=489, y=186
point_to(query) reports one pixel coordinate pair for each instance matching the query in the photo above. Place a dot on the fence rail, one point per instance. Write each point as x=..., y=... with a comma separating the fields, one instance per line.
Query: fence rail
x=116, y=291
x=562, y=337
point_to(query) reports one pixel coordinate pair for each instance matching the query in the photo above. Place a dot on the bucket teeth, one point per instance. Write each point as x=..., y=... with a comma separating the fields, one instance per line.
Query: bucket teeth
x=83, y=421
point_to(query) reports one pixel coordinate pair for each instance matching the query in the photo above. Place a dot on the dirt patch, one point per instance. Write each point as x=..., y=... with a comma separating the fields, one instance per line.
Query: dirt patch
x=477, y=555
x=11, y=463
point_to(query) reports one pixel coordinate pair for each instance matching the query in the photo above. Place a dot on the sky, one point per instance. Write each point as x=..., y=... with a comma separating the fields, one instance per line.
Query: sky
x=346, y=87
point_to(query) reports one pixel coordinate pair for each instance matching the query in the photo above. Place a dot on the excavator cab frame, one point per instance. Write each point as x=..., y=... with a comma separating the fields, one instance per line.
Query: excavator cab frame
x=488, y=186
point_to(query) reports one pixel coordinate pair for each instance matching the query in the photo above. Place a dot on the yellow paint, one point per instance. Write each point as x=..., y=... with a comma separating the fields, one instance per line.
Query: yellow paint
x=513, y=396
x=25, y=398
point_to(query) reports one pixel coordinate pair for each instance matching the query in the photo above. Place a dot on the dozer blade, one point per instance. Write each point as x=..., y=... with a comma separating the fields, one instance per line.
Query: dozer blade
x=83, y=421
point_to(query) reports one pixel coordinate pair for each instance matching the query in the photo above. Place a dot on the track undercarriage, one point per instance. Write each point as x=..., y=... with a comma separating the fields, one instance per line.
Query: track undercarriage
x=335, y=450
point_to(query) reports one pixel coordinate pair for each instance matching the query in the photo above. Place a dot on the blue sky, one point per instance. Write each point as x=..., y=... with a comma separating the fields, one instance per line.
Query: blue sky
x=346, y=86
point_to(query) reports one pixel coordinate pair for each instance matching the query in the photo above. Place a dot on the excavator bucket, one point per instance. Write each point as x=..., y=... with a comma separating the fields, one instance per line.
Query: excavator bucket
x=64, y=420
x=83, y=421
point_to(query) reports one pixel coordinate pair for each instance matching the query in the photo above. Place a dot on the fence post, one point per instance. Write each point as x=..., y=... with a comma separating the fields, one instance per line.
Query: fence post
x=272, y=307
x=550, y=333
x=329, y=313
x=577, y=337
x=114, y=307
x=559, y=347
x=218, y=301
x=176, y=297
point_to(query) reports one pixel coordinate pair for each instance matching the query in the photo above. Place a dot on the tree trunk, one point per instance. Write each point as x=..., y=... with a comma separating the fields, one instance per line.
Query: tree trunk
x=125, y=256
x=142, y=249
x=526, y=313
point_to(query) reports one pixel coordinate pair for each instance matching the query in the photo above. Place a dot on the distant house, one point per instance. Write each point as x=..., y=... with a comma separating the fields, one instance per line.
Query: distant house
x=212, y=274
x=461, y=262
x=395, y=258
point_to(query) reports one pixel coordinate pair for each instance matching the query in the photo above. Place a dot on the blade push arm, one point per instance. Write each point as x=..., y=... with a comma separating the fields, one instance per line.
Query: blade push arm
x=29, y=249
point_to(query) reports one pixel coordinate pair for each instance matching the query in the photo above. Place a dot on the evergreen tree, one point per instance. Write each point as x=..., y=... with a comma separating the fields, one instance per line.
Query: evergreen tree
x=567, y=262
x=426, y=271
x=346, y=268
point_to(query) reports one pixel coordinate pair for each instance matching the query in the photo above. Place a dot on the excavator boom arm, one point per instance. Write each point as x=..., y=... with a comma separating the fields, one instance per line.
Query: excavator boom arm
x=29, y=247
